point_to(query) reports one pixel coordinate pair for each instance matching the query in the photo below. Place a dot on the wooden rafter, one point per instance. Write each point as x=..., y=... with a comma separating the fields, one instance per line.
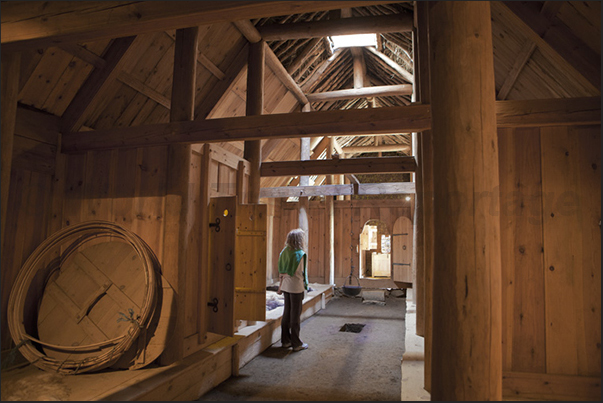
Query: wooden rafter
x=75, y=113
x=560, y=39
x=405, y=74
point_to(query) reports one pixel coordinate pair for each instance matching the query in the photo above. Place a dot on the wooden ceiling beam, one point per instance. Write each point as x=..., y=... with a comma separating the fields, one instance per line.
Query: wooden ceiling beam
x=42, y=24
x=343, y=26
x=520, y=61
x=144, y=89
x=377, y=148
x=339, y=190
x=339, y=166
x=386, y=90
x=392, y=120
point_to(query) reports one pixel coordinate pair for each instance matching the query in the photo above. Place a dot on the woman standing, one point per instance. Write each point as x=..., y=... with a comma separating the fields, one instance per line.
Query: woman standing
x=293, y=282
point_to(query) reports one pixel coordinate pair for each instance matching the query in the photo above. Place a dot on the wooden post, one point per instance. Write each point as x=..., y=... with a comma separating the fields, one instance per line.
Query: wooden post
x=10, y=91
x=255, y=106
x=330, y=223
x=177, y=225
x=467, y=334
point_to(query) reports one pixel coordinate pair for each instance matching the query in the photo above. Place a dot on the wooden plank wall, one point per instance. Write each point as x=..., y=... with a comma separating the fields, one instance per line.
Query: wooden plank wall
x=126, y=186
x=550, y=210
x=33, y=196
x=350, y=217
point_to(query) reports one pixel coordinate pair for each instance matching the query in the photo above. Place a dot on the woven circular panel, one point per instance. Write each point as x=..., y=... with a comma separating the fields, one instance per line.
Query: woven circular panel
x=96, y=285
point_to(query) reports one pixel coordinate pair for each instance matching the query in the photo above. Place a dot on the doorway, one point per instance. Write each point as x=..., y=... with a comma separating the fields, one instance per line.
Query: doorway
x=375, y=250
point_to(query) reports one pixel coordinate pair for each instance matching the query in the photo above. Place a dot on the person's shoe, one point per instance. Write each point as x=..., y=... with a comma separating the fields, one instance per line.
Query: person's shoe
x=302, y=347
x=286, y=345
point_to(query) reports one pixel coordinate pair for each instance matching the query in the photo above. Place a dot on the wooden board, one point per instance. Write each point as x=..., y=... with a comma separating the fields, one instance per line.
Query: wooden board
x=250, y=262
x=402, y=250
x=86, y=300
x=221, y=267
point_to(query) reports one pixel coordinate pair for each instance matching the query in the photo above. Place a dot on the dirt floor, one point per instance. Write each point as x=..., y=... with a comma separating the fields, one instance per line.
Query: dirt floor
x=338, y=365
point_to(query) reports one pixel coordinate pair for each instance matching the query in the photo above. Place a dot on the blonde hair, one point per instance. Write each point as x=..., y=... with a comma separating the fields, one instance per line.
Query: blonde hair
x=295, y=239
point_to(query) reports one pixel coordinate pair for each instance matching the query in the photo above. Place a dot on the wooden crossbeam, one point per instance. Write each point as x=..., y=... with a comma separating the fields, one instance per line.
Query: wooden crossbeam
x=353, y=93
x=394, y=120
x=344, y=26
x=339, y=166
x=339, y=190
x=376, y=148
x=352, y=122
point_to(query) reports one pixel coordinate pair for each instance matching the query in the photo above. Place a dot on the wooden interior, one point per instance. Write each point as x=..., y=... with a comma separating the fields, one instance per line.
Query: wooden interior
x=159, y=116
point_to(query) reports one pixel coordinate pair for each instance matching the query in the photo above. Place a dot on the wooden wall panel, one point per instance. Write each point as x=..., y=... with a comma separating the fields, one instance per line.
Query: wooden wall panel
x=550, y=211
x=521, y=244
x=571, y=176
x=27, y=222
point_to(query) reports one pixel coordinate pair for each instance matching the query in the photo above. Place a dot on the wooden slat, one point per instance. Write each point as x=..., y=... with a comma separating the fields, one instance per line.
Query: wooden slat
x=144, y=89
x=349, y=26
x=338, y=166
x=520, y=61
x=84, y=54
x=61, y=22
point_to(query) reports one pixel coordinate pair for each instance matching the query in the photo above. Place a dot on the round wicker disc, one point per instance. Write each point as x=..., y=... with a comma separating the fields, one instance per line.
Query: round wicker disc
x=91, y=299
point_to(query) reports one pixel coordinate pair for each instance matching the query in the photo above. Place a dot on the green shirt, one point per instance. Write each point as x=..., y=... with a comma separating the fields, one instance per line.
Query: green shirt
x=288, y=261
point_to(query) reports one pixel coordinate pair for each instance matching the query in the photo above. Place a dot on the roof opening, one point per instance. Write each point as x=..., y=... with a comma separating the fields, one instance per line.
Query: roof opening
x=348, y=41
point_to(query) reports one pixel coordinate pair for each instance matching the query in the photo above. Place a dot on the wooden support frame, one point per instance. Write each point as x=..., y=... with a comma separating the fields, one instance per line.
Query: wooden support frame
x=340, y=190
x=377, y=91
x=57, y=22
x=339, y=166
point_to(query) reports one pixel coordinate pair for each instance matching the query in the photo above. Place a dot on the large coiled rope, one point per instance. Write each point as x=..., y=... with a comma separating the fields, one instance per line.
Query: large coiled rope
x=70, y=240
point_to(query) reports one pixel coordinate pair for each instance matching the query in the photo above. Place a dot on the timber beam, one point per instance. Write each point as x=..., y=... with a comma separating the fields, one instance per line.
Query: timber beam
x=339, y=190
x=351, y=122
x=339, y=166
x=41, y=24
x=353, y=93
x=394, y=120
x=343, y=26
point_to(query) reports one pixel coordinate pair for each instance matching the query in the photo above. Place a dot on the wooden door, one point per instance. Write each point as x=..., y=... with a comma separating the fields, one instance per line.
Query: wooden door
x=402, y=250
x=250, y=262
x=237, y=248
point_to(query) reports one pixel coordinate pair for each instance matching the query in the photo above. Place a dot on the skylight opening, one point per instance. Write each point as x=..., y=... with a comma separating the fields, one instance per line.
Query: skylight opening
x=348, y=41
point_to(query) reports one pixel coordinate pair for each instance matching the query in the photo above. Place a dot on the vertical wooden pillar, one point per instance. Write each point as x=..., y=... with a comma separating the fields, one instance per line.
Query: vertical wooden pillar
x=255, y=106
x=466, y=341
x=10, y=91
x=330, y=223
x=177, y=225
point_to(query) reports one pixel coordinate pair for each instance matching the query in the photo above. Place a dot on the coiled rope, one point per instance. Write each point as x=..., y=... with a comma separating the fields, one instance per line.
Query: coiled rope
x=74, y=237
